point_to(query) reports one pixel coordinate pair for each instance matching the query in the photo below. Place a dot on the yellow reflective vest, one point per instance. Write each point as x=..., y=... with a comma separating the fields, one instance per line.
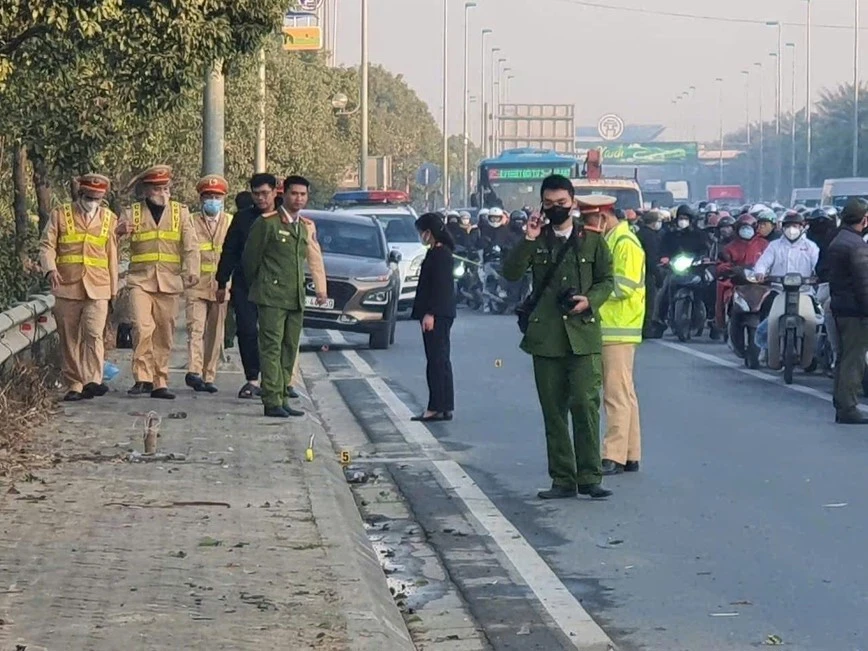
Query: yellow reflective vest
x=623, y=314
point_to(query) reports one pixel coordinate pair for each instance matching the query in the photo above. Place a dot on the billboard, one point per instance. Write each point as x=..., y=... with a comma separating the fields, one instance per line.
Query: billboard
x=535, y=126
x=648, y=153
x=301, y=32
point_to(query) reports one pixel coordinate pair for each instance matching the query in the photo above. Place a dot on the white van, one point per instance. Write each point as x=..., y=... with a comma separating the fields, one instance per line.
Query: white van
x=836, y=192
x=808, y=197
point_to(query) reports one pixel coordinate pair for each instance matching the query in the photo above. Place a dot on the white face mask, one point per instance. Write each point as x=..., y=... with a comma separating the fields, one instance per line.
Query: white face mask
x=90, y=206
x=792, y=233
x=656, y=226
x=683, y=223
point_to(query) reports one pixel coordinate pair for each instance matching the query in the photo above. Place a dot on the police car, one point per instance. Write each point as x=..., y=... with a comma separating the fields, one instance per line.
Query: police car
x=393, y=210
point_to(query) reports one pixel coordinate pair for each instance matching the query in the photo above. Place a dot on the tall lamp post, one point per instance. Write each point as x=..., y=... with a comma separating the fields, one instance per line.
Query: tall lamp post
x=778, y=93
x=445, y=180
x=495, y=103
x=747, y=129
x=856, y=89
x=792, y=48
x=483, y=113
x=489, y=108
x=465, y=133
x=762, y=128
x=363, y=101
x=719, y=81
x=809, y=96
x=506, y=94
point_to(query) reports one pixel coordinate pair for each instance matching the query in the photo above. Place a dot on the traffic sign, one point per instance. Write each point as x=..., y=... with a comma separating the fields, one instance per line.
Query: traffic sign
x=428, y=175
x=610, y=127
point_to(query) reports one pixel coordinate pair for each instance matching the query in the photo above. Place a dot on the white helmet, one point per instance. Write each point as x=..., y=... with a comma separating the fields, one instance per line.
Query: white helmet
x=496, y=213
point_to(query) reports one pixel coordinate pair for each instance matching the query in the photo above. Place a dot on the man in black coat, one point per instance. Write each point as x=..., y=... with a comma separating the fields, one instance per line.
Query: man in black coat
x=650, y=236
x=847, y=258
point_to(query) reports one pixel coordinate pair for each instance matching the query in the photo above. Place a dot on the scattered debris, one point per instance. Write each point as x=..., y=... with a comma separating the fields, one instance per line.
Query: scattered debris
x=178, y=554
x=835, y=505
x=611, y=543
x=498, y=363
x=356, y=475
x=178, y=415
x=208, y=541
x=723, y=614
x=169, y=505
x=239, y=545
x=32, y=498
x=138, y=457
x=524, y=630
x=741, y=603
x=258, y=600
x=773, y=640
x=152, y=429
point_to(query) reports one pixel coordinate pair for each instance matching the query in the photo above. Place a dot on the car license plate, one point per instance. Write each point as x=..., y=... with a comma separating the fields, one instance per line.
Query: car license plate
x=310, y=301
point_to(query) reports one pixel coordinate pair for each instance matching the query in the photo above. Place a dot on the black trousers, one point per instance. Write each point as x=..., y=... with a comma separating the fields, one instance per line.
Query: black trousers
x=246, y=318
x=441, y=394
x=853, y=336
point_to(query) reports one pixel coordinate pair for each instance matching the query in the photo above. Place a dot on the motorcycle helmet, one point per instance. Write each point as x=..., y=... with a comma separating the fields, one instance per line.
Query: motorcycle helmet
x=495, y=216
x=825, y=212
x=452, y=217
x=793, y=217
x=482, y=216
x=766, y=215
x=684, y=216
x=665, y=215
x=746, y=220
x=711, y=208
x=726, y=220
x=464, y=218
x=778, y=208
x=800, y=208
x=517, y=220
x=712, y=222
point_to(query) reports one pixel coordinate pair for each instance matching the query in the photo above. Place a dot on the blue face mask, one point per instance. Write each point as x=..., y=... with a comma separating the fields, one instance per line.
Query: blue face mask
x=212, y=207
x=746, y=232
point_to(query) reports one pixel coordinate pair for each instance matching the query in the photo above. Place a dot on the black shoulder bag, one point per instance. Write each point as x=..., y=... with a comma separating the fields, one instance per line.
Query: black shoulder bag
x=525, y=310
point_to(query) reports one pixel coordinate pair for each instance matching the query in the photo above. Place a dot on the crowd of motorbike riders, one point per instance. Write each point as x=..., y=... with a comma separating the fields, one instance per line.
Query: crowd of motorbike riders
x=731, y=273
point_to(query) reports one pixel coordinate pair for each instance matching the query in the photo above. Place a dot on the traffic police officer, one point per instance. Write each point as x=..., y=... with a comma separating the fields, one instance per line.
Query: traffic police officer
x=79, y=254
x=163, y=244
x=563, y=336
x=205, y=316
x=622, y=317
x=277, y=247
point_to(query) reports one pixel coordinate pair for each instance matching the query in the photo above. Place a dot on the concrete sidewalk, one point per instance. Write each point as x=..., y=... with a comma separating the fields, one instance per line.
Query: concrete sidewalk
x=240, y=544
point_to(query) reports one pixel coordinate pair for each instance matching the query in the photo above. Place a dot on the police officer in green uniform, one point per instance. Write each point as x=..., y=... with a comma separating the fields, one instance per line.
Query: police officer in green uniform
x=277, y=247
x=563, y=335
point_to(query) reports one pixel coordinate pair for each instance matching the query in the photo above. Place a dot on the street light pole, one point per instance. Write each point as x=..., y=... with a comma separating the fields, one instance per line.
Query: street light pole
x=465, y=135
x=809, y=99
x=445, y=180
x=719, y=81
x=746, y=74
x=495, y=105
x=856, y=90
x=259, y=158
x=762, y=127
x=506, y=93
x=213, y=121
x=691, y=94
x=363, y=154
x=778, y=93
x=792, y=47
x=489, y=113
x=483, y=107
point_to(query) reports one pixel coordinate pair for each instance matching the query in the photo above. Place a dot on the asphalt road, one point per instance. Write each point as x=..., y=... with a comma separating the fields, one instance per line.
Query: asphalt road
x=749, y=517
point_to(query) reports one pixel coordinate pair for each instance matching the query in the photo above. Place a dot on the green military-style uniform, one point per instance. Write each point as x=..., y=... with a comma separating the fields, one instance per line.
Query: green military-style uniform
x=567, y=349
x=273, y=262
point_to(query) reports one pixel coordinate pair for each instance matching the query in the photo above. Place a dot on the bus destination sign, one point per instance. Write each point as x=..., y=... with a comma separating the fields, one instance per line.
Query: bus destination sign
x=526, y=173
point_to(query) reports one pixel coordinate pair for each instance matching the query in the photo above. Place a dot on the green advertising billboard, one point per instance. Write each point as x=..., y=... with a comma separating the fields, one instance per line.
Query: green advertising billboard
x=646, y=153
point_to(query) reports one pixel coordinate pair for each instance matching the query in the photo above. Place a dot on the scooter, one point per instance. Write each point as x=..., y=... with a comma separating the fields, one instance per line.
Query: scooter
x=688, y=315
x=494, y=286
x=747, y=308
x=795, y=349
x=468, y=287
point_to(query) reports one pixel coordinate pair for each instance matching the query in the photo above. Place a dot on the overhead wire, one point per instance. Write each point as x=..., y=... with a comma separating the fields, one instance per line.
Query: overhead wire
x=677, y=14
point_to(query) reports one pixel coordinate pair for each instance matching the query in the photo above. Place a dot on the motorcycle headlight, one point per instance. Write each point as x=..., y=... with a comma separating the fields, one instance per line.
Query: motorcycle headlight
x=495, y=249
x=792, y=280
x=459, y=270
x=681, y=263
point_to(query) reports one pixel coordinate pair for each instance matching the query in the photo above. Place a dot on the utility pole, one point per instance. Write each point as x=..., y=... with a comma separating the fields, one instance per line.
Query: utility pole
x=483, y=106
x=465, y=135
x=213, y=121
x=856, y=90
x=445, y=180
x=363, y=154
x=719, y=81
x=762, y=125
x=259, y=162
x=809, y=99
x=792, y=47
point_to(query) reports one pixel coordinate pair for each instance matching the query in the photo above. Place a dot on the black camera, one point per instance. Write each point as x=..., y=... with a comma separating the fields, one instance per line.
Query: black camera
x=566, y=300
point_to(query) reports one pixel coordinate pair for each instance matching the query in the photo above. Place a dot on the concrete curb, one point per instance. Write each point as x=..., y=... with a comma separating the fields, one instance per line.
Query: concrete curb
x=374, y=622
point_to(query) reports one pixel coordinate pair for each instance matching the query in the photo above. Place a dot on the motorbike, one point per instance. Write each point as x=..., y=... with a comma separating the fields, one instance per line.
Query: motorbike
x=468, y=288
x=688, y=315
x=794, y=349
x=747, y=308
x=495, y=288
x=825, y=353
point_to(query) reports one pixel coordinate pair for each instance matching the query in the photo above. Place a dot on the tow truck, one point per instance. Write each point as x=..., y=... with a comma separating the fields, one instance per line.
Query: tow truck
x=627, y=192
x=398, y=218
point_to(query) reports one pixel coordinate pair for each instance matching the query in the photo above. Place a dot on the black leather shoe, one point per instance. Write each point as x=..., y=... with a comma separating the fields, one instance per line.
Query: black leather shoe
x=94, y=390
x=557, y=493
x=291, y=411
x=594, y=491
x=292, y=393
x=612, y=467
x=73, y=396
x=855, y=418
x=276, y=412
x=210, y=388
x=194, y=381
x=162, y=394
x=141, y=388
x=631, y=466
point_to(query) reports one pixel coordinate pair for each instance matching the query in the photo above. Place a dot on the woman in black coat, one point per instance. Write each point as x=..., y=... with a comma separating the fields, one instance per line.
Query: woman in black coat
x=434, y=307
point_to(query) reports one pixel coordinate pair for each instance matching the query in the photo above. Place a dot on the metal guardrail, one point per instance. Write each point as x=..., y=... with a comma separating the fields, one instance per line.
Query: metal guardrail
x=24, y=324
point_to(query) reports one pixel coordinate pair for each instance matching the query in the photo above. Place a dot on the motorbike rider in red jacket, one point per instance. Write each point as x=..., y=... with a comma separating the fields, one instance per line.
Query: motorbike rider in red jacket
x=742, y=252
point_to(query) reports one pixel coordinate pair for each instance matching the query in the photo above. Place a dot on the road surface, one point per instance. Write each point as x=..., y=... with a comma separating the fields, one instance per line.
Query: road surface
x=748, y=520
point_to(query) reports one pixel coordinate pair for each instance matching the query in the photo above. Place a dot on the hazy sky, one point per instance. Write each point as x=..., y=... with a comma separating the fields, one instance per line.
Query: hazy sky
x=602, y=60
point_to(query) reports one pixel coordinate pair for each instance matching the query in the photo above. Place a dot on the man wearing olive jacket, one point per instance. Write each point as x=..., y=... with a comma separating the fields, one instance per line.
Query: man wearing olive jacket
x=564, y=336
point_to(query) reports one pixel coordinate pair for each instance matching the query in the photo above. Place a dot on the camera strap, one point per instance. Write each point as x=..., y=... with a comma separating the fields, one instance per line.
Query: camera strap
x=537, y=293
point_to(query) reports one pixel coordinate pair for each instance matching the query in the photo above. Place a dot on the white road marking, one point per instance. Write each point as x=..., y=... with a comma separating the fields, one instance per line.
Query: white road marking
x=567, y=613
x=759, y=375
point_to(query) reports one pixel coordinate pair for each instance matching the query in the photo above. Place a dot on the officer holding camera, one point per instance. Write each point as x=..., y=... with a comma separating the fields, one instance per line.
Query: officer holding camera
x=572, y=278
